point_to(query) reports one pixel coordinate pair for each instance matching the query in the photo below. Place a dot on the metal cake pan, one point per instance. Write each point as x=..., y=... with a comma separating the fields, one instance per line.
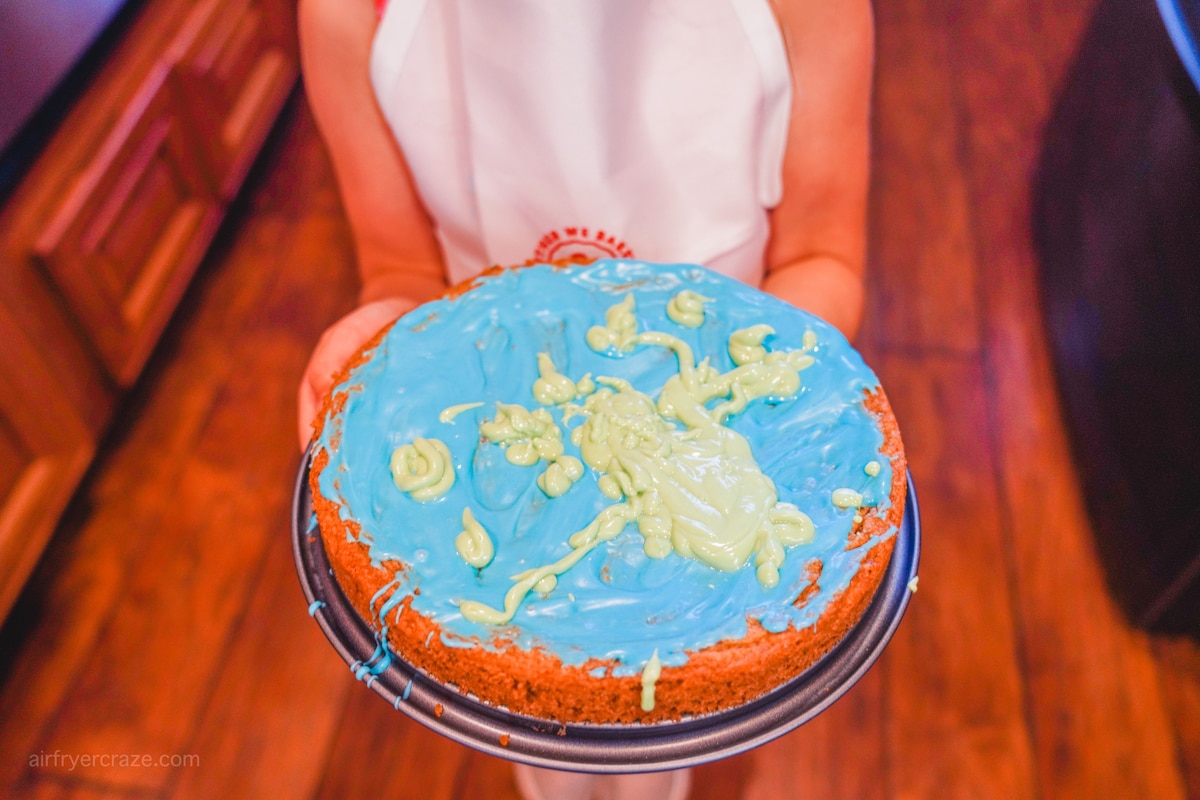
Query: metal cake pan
x=602, y=748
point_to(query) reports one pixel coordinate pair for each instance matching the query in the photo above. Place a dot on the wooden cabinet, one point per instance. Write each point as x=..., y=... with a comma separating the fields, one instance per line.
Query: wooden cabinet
x=101, y=238
x=127, y=235
x=45, y=446
x=236, y=61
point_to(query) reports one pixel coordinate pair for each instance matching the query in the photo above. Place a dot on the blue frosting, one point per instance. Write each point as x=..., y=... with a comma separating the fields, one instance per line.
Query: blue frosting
x=616, y=603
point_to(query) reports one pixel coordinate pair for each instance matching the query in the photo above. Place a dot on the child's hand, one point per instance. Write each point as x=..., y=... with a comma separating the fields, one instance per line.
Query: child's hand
x=821, y=285
x=335, y=347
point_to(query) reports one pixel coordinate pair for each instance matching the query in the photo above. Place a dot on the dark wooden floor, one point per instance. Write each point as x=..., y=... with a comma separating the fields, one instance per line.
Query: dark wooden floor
x=167, y=620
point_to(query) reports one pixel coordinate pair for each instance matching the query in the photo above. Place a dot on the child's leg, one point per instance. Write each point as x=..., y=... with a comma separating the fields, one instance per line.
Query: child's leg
x=536, y=783
x=550, y=784
x=648, y=786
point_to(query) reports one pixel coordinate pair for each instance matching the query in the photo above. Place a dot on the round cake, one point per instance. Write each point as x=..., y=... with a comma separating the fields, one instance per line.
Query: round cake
x=611, y=493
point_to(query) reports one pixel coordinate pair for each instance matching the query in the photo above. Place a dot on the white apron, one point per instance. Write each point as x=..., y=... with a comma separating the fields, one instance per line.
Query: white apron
x=541, y=129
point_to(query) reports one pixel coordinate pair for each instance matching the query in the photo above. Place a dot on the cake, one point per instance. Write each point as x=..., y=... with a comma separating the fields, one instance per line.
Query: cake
x=613, y=493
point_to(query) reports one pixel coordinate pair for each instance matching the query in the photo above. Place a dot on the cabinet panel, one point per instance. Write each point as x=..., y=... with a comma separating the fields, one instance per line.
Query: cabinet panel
x=124, y=241
x=14, y=456
x=237, y=59
x=45, y=446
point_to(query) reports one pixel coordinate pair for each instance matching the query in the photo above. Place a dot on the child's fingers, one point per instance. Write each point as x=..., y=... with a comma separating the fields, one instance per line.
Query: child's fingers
x=341, y=341
x=307, y=405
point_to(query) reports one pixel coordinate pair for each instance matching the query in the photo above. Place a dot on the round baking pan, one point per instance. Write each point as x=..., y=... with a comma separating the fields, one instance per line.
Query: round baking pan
x=600, y=748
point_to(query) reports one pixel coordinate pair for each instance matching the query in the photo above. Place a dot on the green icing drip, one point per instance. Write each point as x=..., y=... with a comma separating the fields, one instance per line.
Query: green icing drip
x=474, y=545
x=552, y=388
x=650, y=675
x=619, y=330
x=607, y=525
x=450, y=413
x=847, y=498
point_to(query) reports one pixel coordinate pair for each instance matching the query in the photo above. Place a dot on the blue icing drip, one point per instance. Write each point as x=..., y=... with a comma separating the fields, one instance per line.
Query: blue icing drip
x=314, y=606
x=379, y=661
x=611, y=605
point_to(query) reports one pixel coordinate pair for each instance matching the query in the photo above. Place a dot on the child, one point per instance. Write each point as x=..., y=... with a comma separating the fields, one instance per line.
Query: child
x=464, y=133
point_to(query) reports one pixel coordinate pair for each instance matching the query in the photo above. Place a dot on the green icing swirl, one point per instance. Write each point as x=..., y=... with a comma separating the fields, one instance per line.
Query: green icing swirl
x=423, y=469
x=687, y=308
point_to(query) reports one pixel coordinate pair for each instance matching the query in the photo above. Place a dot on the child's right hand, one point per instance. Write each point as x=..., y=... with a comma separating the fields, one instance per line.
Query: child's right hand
x=335, y=347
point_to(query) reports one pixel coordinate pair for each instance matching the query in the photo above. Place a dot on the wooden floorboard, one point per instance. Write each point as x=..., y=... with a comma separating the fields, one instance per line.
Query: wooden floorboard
x=959, y=639
x=814, y=760
x=69, y=788
x=920, y=221
x=166, y=617
x=270, y=721
x=1074, y=641
x=404, y=760
x=145, y=684
x=481, y=775
x=1179, y=669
